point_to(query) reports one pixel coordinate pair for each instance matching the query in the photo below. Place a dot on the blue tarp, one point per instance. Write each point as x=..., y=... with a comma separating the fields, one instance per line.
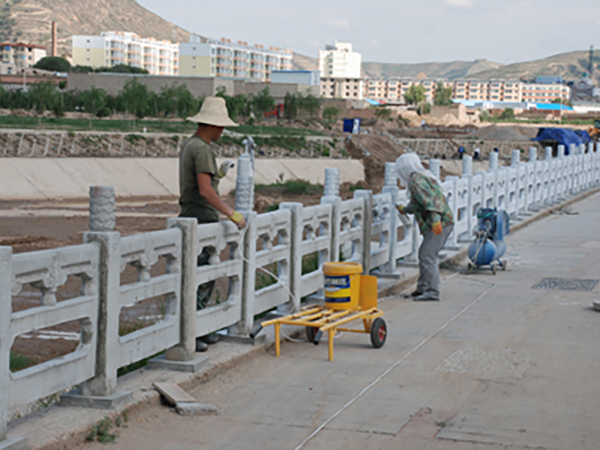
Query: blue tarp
x=562, y=136
x=352, y=126
x=370, y=101
x=552, y=107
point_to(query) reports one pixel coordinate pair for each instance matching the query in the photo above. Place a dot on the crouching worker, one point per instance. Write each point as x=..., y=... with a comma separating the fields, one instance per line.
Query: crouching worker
x=429, y=206
x=198, y=185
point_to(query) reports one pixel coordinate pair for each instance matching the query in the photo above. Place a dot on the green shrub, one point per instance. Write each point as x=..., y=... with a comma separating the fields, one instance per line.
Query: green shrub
x=20, y=362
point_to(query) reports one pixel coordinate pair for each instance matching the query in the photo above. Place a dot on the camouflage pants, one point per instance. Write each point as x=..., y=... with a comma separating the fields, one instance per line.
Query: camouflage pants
x=429, y=271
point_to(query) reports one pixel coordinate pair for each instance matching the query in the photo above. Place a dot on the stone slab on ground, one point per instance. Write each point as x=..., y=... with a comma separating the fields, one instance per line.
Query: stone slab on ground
x=173, y=393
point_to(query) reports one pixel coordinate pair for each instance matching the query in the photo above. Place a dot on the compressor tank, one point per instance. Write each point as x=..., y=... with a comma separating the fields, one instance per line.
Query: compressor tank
x=482, y=251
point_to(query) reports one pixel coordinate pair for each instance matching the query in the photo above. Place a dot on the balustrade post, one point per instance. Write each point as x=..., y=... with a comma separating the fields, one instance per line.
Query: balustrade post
x=331, y=197
x=296, y=254
x=434, y=167
x=467, y=174
x=5, y=344
x=493, y=161
x=391, y=187
x=186, y=349
x=367, y=196
x=5, y=337
x=531, y=198
x=452, y=242
x=467, y=166
x=244, y=326
x=244, y=189
x=104, y=383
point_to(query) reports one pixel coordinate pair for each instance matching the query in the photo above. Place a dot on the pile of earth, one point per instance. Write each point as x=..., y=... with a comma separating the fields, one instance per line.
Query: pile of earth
x=375, y=151
x=497, y=132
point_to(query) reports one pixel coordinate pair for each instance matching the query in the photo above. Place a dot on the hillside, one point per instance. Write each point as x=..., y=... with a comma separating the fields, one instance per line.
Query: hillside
x=570, y=65
x=449, y=70
x=30, y=21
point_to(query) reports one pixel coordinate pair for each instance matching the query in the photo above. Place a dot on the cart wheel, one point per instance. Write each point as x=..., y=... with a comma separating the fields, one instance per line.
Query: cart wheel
x=378, y=332
x=470, y=267
x=311, y=332
x=493, y=267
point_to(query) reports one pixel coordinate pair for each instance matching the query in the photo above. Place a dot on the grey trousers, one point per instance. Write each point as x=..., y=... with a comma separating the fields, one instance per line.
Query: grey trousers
x=429, y=272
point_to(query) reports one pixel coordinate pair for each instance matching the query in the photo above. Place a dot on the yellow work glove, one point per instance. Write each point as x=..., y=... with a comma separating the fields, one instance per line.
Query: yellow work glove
x=237, y=218
x=437, y=227
x=225, y=166
x=400, y=208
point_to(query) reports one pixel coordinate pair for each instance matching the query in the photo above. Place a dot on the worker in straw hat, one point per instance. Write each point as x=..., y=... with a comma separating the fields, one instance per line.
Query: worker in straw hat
x=198, y=185
x=429, y=206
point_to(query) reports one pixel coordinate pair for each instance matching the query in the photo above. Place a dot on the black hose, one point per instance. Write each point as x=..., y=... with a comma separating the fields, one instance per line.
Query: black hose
x=256, y=330
x=317, y=338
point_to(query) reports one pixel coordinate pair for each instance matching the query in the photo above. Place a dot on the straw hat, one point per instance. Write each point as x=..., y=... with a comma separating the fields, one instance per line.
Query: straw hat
x=213, y=112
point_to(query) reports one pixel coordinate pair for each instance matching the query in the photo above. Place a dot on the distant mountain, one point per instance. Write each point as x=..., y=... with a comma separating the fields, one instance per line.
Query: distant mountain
x=450, y=70
x=30, y=21
x=571, y=66
x=303, y=62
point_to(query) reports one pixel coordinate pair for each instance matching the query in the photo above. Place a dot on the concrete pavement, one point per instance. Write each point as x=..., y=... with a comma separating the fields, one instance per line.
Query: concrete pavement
x=496, y=364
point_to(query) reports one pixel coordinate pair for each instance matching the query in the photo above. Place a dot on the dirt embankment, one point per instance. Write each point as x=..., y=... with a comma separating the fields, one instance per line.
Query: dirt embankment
x=374, y=151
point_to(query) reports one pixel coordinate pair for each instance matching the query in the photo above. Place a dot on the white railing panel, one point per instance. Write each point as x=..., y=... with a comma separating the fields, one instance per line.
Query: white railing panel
x=275, y=255
x=352, y=213
x=47, y=271
x=224, y=240
x=143, y=252
x=317, y=226
x=380, y=230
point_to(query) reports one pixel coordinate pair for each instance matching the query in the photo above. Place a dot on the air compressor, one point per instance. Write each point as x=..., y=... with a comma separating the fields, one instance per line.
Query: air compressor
x=489, y=246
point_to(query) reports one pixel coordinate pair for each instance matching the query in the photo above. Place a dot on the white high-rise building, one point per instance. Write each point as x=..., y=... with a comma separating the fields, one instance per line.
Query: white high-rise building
x=203, y=57
x=117, y=47
x=339, y=61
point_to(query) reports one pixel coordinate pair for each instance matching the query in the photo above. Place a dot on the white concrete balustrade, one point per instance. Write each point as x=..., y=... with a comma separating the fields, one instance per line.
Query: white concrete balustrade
x=277, y=241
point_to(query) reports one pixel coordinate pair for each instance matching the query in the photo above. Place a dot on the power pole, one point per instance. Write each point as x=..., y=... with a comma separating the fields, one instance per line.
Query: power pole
x=591, y=65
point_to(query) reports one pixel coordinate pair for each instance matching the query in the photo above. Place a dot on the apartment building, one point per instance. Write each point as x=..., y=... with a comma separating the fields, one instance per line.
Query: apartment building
x=545, y=93
x=382, y=89
x=112, y=48
x=222, y=58
x=339, y=61
x=393, y=90
x=347, y=88
x=14, y=57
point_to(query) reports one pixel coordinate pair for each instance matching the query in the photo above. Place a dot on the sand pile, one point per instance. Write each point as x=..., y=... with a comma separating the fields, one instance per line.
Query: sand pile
x=503, y=133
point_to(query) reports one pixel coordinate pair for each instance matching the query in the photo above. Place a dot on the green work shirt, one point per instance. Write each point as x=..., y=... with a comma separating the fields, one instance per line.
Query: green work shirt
x=427, y=203
x=197, y=157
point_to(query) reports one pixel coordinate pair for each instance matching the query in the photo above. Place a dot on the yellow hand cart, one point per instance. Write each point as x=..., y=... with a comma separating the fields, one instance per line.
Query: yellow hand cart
x=349, y=296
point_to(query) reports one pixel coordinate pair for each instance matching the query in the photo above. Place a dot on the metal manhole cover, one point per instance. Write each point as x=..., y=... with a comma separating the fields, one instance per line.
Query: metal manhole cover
x=566, y=284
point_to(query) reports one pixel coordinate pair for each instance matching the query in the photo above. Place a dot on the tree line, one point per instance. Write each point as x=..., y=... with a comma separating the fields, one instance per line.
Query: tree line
x=175, y=101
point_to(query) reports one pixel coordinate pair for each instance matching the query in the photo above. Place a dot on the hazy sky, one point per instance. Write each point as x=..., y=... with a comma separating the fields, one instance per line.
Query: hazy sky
x=399, y=31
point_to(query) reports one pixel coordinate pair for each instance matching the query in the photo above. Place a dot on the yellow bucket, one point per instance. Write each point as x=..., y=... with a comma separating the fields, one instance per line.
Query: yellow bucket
x=342, y=285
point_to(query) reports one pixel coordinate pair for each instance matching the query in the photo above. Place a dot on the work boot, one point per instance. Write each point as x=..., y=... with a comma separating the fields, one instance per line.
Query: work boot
x=201, y=346
x=426, y=298
x=416, y=293
x=210, y=339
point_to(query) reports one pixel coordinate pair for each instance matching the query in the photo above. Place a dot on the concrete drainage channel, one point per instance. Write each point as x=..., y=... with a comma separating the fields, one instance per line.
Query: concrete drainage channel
x=69, y=427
